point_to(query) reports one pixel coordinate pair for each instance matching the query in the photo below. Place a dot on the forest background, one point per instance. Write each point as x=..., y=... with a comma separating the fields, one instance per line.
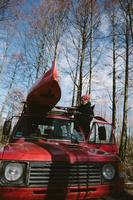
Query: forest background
x=92, y=41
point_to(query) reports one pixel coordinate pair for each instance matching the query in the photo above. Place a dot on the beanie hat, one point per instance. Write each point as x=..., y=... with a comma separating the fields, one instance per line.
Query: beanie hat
x=85, y=97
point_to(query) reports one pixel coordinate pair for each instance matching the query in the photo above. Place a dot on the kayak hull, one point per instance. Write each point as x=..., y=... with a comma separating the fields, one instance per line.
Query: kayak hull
x=46, y=93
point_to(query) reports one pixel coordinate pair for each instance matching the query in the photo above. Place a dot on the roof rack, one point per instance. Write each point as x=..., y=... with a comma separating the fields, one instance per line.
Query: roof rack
x=67, y=108
x=74, y=111
x=71, y=111
x=67, y=111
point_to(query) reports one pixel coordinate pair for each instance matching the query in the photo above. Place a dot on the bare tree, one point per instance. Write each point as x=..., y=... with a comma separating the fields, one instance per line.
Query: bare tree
x=114, y=73
x=83, y=24
x=57, y=24
x=123, y=141
x=15, y=102
x=11, y=81
x=127, y=7
x=9, y=9
x=3, y=6
x=112, y=7
x=91, y=44
x=47, y=26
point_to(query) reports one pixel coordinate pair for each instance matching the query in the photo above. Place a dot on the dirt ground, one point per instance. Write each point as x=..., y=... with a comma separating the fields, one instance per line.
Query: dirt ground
x=127, y=195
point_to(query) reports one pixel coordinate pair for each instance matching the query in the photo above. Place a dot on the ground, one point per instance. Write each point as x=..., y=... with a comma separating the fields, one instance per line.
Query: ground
x=127, y=195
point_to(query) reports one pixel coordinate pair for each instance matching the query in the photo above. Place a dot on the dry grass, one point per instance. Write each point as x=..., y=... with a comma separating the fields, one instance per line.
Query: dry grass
x=129, y=161
x=129, y=166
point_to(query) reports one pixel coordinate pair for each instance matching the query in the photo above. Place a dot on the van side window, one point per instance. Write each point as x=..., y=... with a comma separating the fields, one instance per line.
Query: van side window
x=95, y=137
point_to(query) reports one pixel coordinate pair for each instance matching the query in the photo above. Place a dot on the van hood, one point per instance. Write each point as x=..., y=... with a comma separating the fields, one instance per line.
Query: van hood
x=49, y=151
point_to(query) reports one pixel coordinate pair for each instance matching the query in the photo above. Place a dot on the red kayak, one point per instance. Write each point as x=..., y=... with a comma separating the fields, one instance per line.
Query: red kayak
x=45, y=94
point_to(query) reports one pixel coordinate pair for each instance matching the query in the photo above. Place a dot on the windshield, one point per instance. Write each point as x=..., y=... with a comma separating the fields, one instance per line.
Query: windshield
x=48, y=128
x=105, y=136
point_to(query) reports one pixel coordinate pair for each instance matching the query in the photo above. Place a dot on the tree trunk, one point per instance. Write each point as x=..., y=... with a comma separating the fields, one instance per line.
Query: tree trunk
x=122, y=149
x=9, y=90
x=91, y=49
x=39, y=61
x=75, y=85
x=114, y=74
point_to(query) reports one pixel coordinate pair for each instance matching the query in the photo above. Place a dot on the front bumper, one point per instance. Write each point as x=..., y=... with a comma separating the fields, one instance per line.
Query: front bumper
x=92, y=192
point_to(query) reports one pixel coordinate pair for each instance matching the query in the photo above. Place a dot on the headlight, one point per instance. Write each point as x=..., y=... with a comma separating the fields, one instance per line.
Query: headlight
x=108, y=171
x=13, y=171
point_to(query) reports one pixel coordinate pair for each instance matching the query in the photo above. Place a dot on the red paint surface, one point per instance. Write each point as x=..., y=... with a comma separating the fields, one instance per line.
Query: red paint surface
x=44, y=151
x=50, y=151
x=15, y=193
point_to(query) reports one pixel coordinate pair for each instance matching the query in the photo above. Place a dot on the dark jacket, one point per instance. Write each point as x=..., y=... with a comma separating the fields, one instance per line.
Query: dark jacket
x=85, y=109
x=85, y=116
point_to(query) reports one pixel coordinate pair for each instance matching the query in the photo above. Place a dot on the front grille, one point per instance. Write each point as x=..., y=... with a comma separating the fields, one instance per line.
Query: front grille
x=61, y=174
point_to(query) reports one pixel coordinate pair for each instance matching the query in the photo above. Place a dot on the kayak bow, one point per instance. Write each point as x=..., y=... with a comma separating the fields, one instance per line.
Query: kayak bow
x=46, y=93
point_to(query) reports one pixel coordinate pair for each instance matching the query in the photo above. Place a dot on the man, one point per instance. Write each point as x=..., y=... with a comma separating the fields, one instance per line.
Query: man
x=85, y=104
x=86, y=114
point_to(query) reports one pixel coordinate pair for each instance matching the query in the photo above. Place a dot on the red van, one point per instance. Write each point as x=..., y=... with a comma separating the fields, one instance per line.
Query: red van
x=47, y=157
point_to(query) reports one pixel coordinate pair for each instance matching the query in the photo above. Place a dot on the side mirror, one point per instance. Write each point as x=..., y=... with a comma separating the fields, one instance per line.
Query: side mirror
x=102, y=133
x=7, y=128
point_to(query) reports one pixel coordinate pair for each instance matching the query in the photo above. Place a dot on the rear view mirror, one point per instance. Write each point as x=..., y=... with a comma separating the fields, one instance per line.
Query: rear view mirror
x=102, y=133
